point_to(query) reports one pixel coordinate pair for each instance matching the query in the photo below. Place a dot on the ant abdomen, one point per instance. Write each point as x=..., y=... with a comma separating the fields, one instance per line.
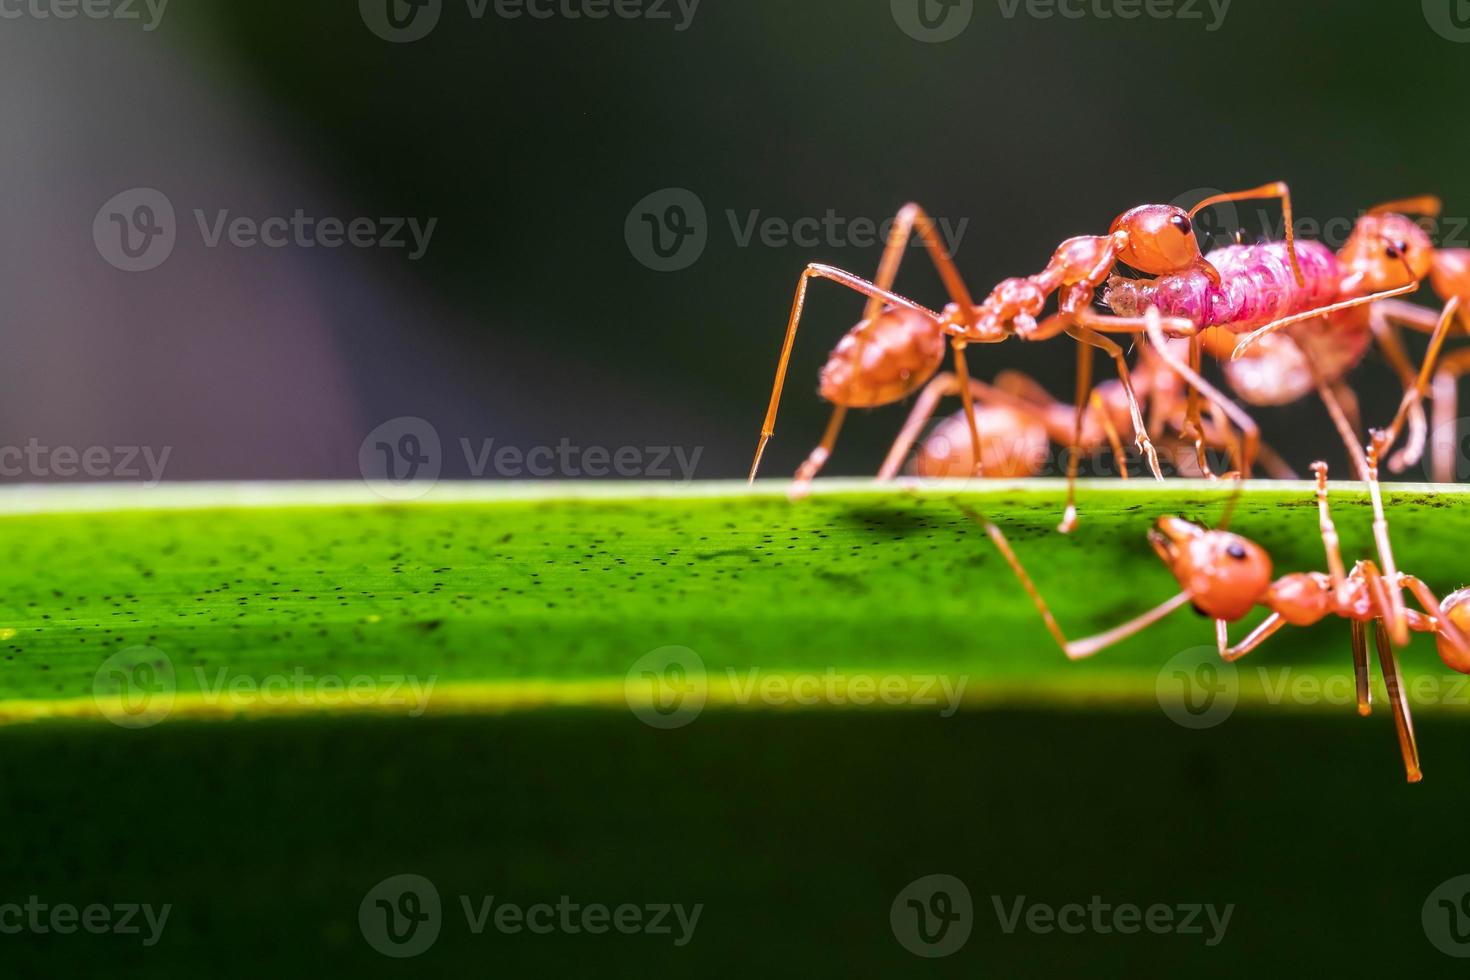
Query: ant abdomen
x=1456, y=608
x=1011, y=445
x=900, y=350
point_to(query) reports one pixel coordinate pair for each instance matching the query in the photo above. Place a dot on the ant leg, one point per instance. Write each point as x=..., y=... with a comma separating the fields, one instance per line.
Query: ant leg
x=1441, y=623
x=1086, y=335
x=1193, y=428
x=1074, y=446
x=944, y=385
x=1250, y=432
x=1398, y=626
x=768, y=427
x=1340, y=422
x=1384, y=319
x=1277, y=189
x=1325, y=524
x=818, y=458
x=1402, y=719
x=962, y=372
x=1246, y=342
x=1074, y=649
x=1446, y=408
x=1361, y=680
x=1269, y=627
x=1414, y=396
x=1110, y=431
x=1352, y=409
x=1272, y=462
x=910, y=217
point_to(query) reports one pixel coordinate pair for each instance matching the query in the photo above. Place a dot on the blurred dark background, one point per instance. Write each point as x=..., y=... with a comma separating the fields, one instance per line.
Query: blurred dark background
x=530, y=318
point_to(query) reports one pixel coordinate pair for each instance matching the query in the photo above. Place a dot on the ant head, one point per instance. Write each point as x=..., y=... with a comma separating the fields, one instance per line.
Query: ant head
x=1225, y=574
x=1450, y=275
x=1386, y=251
x=1160, y=239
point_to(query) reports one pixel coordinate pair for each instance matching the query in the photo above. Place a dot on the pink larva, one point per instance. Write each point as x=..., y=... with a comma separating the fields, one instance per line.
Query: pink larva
x=1256, y=287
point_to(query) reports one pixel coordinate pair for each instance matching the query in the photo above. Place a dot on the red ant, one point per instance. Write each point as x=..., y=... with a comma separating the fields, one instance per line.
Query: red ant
x=1018, y=419
x=1387, y=255
x=895, y=348
x=1225, y=576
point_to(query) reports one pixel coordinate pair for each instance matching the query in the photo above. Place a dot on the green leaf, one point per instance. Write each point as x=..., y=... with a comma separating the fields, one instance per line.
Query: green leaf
x=528, y=597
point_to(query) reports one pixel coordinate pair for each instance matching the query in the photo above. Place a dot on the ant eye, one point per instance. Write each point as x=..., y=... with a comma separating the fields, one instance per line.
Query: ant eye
x=1180, y=222
x=1392, y=251
x=1236, y=551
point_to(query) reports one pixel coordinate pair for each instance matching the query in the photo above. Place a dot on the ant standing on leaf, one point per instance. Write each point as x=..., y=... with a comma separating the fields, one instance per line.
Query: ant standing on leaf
x=898, y=345
x=1226, y=576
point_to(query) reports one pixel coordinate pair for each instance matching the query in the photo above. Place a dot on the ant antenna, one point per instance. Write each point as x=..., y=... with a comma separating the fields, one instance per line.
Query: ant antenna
x=1425, y=205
